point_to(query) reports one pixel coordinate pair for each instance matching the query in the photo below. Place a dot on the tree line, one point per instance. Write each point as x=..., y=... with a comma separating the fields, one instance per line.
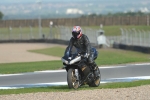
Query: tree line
x=138, y=13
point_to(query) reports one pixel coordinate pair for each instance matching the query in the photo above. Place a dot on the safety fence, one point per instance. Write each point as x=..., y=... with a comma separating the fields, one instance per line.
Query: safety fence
x=133, y=37
x=57, y=32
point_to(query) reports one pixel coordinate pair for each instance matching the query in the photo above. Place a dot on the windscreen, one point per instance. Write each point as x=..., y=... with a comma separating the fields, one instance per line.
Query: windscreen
x=70, y=51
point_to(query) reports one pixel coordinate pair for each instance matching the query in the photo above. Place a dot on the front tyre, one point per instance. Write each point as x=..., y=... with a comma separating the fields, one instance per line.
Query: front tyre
x=72, y=79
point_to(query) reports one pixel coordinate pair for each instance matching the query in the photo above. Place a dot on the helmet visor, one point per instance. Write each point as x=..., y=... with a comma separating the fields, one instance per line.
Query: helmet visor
x=75, y=34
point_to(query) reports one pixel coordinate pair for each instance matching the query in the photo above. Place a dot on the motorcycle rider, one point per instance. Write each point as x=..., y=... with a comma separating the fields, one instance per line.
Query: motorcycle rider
x=82, y=42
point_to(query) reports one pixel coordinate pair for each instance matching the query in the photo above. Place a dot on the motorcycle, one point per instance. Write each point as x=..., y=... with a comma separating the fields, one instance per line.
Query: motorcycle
x=79, y=71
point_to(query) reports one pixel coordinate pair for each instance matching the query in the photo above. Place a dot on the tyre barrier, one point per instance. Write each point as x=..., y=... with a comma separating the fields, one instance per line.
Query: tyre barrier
x=142, y=49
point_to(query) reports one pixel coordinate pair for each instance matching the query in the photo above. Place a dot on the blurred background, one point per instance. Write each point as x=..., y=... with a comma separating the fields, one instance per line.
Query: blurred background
x=106, y=22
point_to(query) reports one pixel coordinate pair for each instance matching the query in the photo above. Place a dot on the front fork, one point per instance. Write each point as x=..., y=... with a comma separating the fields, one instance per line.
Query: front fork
x=77, y=74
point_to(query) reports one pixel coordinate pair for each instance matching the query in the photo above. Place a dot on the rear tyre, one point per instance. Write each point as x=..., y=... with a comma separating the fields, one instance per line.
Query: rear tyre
x=97, y=79
x=72, y=79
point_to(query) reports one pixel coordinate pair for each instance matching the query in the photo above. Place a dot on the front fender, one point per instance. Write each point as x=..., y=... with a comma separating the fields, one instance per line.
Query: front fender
x=67, y=67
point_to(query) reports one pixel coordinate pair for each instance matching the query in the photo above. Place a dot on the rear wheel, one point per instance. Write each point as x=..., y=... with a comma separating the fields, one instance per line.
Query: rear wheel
x=97, y=79
x=72, y=79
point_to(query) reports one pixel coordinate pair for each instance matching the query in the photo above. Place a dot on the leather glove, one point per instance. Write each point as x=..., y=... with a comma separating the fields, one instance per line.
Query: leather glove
x=86, y=55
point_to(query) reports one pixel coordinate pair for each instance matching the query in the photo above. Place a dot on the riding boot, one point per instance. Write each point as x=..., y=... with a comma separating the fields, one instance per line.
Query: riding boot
x=94, y=67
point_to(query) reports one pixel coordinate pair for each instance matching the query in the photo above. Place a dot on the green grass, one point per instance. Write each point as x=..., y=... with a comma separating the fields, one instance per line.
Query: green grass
x=66, y=89
x=117, y=56
x=9, y=68
x=105, y=57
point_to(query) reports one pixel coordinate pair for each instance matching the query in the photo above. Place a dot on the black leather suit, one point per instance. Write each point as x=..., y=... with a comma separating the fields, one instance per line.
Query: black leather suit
x=84, y=45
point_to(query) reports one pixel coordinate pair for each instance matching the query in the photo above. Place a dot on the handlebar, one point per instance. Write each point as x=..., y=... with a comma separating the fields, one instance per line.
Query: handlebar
x=86, y=55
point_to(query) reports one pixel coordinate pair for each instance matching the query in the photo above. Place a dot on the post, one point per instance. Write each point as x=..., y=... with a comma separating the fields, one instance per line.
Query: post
x=144, y=38
x=122, y=35
x=140, y=38
x=31, y=36
x=131, y=35
x=135, y=36
x=149, y=38
x=40, y=30
x=0, y=34
x=50, y=25
x=127, y=37
x=147, y=20
x=10, y=32
x=20, y=32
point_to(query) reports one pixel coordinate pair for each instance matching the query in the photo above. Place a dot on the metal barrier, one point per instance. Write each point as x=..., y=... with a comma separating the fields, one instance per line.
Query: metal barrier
x=128, y=36
x=57, y=32
x=135, y=37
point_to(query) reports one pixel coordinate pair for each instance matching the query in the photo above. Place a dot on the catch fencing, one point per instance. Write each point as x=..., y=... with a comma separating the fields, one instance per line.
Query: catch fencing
x=57, y=32
x=132, y=37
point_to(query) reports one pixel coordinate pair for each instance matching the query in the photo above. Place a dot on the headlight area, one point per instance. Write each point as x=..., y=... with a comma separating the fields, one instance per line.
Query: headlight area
x=64, y=61
x=75, y=60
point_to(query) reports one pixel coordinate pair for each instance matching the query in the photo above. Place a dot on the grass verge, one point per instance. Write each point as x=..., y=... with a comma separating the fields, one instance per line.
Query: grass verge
x=66, y=89
x=11, y=68
x=106, y=57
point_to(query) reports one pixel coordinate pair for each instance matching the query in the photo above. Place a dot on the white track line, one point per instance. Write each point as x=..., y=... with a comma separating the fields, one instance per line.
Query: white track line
x=55, y=71
x=142, y=64
x=111, y=80
x=1, y=75
x=50, y=71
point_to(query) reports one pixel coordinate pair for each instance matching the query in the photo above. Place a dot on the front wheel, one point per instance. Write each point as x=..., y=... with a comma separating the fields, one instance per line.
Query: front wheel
x=97, y=79
x=72, y=79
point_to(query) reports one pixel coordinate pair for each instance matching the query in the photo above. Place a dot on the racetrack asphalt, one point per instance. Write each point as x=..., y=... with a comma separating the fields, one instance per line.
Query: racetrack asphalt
x=58, y=77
